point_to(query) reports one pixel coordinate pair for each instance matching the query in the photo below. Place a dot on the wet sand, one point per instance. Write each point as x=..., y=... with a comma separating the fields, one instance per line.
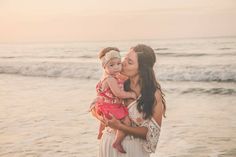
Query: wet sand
x=47, y=117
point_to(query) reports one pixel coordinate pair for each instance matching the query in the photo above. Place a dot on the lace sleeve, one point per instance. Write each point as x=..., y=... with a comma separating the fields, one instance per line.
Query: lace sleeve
x=152, y=136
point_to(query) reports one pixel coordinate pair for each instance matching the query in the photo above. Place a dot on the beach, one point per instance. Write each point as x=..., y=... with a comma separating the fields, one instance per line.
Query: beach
x=46, y=90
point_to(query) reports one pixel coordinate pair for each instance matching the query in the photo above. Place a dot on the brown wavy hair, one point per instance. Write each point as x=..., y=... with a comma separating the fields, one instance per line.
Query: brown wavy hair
x=147, y=81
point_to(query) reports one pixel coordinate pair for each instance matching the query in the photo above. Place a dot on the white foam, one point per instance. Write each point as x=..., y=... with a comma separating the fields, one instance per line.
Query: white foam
x=93, y=70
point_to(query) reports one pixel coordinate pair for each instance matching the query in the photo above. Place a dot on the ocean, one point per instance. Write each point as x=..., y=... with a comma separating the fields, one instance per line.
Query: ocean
x=46, y=89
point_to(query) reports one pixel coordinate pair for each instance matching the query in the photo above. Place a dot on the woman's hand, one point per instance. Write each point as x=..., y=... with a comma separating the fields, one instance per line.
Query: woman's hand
x=113, y=122
x=135, y=131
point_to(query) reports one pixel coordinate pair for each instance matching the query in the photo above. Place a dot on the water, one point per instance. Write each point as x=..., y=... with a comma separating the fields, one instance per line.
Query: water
x=46, y=89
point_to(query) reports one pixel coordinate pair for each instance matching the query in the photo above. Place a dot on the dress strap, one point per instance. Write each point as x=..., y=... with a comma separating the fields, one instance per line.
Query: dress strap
x=99, y=85
x=103, y=92
x=133, y=102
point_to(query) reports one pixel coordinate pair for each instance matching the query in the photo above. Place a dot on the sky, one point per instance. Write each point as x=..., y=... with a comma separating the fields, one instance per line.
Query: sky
x=99, y=20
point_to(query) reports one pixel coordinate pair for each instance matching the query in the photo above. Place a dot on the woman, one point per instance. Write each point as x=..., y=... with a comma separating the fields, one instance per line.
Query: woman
x=145, y=112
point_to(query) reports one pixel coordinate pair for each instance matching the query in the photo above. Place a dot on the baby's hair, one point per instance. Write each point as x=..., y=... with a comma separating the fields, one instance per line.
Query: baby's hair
x=106, y=50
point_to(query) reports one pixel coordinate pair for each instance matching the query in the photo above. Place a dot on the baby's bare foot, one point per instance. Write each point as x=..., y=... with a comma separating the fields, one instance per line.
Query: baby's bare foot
x=119, y=147
x=99, y=136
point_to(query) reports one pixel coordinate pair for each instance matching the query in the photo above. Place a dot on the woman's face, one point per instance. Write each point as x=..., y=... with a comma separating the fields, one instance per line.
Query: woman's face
x=130, y=64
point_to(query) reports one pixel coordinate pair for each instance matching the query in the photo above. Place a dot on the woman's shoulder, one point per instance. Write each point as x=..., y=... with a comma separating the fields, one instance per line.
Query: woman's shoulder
x=158, y=107
x=159, y=101
x=158, y=95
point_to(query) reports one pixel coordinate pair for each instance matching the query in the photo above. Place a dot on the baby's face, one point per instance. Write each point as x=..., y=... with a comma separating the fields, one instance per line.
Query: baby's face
x=114, y=66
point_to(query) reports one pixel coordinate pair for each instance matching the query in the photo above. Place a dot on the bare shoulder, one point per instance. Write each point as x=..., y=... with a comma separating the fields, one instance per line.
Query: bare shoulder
x=158, y=96
x=112, y=82
x=110, y=77
x=106, y=81
x=158, y=107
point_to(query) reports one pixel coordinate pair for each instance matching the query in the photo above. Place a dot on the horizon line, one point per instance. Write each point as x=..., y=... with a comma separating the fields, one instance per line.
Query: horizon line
x=114, y=40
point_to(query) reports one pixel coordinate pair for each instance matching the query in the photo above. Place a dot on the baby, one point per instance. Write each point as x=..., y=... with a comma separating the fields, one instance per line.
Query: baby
x=110, y=93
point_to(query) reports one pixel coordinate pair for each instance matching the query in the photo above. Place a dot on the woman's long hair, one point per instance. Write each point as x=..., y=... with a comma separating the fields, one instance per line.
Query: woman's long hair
x=147, y=81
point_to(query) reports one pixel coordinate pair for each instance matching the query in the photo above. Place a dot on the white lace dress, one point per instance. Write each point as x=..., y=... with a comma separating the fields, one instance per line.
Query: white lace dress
x=135, y=147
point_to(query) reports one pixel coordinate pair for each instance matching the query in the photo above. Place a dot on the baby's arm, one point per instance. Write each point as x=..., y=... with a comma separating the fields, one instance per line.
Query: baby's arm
x=113, y=84
x=126, y=121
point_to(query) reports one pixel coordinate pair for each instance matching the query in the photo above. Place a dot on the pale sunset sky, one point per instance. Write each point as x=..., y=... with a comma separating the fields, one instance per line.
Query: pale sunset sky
x=95, y=20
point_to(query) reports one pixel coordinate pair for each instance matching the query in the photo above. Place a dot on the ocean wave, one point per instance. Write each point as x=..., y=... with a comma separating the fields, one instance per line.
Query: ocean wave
x=87, y=56
x=46, y=57
x=225, y=48
x=161, y=49
x=194, y=54
x=220, y=91
x=182, y=54
x=93, y=70
x=51, y=69
x=94, y=55
x=201, y=73
x=210, y=91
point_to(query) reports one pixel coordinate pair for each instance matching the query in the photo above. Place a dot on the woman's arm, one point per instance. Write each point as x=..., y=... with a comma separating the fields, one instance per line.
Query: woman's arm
x=135, y=131
x=139, y=131
x=158, y=108
x=116, y=124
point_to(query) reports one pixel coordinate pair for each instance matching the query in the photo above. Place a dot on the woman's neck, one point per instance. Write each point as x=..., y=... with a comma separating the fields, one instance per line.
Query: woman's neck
x=134, y=84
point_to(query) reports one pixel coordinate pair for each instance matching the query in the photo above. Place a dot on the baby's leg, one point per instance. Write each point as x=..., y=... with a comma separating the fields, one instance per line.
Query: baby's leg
x=120, y=135
x=101, y=128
